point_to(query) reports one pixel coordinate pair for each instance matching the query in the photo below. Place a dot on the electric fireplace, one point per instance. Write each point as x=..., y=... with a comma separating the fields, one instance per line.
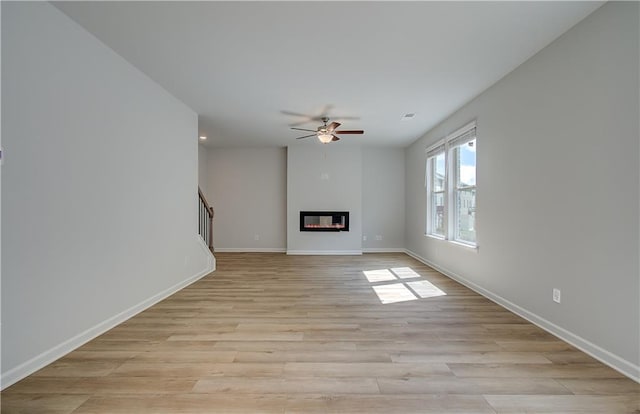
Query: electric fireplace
x=324, y=221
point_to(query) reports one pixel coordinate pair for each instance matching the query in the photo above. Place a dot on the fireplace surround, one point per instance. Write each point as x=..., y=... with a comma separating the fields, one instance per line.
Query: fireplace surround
x=324, y=221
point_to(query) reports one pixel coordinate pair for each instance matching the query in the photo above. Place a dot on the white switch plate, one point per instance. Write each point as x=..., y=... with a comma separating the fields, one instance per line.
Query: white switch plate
x=556, y=295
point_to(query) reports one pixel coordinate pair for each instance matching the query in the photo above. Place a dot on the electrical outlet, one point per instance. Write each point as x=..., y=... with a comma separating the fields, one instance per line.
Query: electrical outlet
x=556, y=295
x=256, y=237
x=378, y=237
x=364, y=238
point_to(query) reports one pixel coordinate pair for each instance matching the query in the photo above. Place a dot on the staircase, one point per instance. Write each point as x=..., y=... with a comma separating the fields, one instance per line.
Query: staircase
x=205, y=220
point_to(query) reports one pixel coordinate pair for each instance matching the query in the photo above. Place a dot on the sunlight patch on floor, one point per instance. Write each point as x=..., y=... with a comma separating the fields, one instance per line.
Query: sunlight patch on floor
x=396, y=292
x=400, y=290
x=425, y=289
x=405, y=272
x=379, y=275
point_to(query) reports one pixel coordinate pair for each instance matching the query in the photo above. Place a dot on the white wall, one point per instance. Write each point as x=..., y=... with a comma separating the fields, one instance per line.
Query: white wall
x=558, y=179
x=101, y=175
x=203, y=170
x=383, y=198
x=247, y=190
x=324, y=178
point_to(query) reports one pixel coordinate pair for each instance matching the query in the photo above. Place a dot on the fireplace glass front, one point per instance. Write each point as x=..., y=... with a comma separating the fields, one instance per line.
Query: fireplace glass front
x=324, y=221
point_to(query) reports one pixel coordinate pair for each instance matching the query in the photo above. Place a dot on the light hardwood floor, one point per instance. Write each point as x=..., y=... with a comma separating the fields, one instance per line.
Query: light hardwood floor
x=270, y=333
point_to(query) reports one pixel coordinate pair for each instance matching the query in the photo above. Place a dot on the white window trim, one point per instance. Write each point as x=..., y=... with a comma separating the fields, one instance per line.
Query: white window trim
x=432, y=152
x=447, y=144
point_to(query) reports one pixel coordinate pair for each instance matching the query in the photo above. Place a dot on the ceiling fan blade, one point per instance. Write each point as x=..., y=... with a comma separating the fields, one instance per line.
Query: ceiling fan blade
x=332, y=126
x=346, y=118
x=303, y=129
x=300, y=122
x=307, y=136
x=308, y=118
x=358, y=131
x=335, y=139
x=295, y=114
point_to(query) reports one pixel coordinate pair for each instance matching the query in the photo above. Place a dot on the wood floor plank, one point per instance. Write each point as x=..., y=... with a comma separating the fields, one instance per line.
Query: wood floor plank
x=289, y=346
x=42, y=404
x=103, y=385
x=517, y=345
x=271, y=333
x=471, y=386
x=263, y=385
x=354, y=369
x=428, y=346
x=474, y=357
x=564, y=404
x=604, y=386
x=154, y=356
x=309, y=356
x=595, y=370
x=184, y=404
x=240, y=336
x=78, y=368
x=423, y=404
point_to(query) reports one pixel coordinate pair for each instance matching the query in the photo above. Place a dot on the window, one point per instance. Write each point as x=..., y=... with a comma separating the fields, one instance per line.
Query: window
x=437, y=193
x=451, y=187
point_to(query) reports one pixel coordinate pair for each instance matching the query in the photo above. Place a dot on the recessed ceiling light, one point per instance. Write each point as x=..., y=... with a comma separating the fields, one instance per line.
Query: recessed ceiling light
x=406, y=117
x=202, y=137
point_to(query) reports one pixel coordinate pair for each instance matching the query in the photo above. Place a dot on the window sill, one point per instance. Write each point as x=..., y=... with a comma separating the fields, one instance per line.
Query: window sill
x=471, y=247
x=433, y=236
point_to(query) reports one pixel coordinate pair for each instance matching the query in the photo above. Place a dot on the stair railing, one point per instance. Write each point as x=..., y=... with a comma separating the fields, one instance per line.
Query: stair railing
x=205, y=220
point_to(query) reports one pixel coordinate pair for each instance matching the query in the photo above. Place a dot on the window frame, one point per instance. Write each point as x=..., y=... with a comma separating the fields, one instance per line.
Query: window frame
x=449, y=145
x=456, y=189
x=431, y=168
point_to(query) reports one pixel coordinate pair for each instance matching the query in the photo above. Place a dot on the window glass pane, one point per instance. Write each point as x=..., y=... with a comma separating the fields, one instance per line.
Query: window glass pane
x=438, y=172
x=437, y=214
x=466, y=215
x=465, y=158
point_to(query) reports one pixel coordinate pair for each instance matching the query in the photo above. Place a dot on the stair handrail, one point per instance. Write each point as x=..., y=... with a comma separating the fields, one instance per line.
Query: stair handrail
x=205, y=229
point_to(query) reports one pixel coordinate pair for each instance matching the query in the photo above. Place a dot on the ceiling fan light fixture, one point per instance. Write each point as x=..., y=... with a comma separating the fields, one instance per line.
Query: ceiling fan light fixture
x=326, y=133
x=325, y=138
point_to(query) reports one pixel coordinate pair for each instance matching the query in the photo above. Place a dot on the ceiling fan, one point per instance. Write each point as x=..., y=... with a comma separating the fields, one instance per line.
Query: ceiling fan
x=314, y=118
x=327, y=133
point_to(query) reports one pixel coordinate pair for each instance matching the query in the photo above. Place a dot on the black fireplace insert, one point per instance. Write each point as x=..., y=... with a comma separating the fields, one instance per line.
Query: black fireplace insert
x=324, y=221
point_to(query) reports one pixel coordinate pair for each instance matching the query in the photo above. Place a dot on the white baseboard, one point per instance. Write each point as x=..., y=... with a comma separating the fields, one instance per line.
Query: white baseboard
x=250, y=249
x=40, y=361
x=211, y=259
x=383, y=250
x=325, y=252
x=619, y=364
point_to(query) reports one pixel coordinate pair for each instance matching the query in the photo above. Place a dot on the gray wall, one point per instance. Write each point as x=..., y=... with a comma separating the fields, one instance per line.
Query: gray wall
x=383, y=198
x=99, y=218
x=247, y=189
x=558, y=178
